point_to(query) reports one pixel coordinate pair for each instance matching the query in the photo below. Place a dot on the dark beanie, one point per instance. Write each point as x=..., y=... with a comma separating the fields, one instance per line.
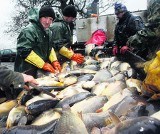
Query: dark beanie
x=46, y=11
x=70, y=11
x=119, y=7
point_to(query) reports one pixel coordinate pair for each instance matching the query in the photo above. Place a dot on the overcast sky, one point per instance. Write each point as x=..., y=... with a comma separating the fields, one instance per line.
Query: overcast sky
x=132, y=5
x=7, y=9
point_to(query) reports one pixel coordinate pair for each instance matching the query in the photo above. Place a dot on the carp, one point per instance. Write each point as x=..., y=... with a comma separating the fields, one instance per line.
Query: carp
x=98, y=88
x=92, y=104
x=134, y=83
x=92, y=67
x=69, y=80
x=70, y=123
x=71, y=90
x=6, y=107
x=113, y=88
x=102, y=75
x=92, y=120
x=31, y=129
x=75, y=72
x=85, y=77
x=46, y=117
x=40, y=106
x=74, y=99
x=88, y=85
x=14, y=115
x=138, y=125
x=116, y=98
x=48, y=81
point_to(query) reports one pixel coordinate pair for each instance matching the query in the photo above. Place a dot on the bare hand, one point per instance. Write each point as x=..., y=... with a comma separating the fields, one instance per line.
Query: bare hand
x=29, y=78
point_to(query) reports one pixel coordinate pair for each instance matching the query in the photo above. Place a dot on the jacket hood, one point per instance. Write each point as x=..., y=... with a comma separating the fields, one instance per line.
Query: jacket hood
x=33, y=15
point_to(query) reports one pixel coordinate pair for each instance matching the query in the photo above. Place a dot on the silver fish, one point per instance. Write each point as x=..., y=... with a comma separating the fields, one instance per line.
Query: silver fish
x=70, y=123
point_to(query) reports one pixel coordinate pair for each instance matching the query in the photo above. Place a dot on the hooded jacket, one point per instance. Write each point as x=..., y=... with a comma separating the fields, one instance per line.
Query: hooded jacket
x=127, y=26
x=32, y=37
x=61, y=36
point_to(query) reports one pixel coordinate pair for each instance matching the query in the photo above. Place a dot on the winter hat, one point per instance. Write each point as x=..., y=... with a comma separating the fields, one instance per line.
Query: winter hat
x=46, y=11
x=118, y=7
x=70, y=11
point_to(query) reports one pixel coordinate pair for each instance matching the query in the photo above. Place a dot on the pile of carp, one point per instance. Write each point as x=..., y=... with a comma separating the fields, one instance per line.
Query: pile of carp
x=101, y=96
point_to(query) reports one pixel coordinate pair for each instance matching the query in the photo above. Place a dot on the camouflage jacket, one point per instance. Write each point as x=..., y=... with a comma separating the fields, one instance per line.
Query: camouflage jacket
x=127, y=26
x=148, y=39
x=8, y=78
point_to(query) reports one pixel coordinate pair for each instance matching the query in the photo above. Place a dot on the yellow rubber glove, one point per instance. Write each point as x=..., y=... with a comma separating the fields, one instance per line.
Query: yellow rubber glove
x=37, y=61
x=79, y=58
x=66, y=52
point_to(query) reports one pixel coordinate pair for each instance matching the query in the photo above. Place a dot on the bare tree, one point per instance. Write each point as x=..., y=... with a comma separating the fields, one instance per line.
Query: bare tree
x=20, y=19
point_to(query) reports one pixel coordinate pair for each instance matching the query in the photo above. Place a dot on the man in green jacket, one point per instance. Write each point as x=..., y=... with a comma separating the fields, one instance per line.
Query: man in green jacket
x=62, y=36
x=34, y=50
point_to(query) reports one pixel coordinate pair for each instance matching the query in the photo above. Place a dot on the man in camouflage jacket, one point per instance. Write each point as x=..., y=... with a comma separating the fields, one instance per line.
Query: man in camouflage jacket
x=148, y=39
x=11, y=81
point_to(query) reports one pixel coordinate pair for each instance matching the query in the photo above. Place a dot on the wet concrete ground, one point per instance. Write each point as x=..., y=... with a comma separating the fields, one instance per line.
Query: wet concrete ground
x=9, y=65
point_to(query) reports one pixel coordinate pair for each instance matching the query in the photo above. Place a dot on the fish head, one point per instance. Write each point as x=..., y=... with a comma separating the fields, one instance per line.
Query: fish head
x=144, y=124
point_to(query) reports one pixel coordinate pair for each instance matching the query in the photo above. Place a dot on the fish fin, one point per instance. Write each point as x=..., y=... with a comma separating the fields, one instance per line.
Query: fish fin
x=95, y=130
x=9, y=123
x=114, y=118
x=59, y=110
x=27, y=111
x=80, y=115
x=105, y=130
x=22, y=121
x=99, y=110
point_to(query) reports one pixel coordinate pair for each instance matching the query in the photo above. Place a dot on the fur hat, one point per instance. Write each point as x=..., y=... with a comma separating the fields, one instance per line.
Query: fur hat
x=118, y=7
x=70, y=11
x=46, y=11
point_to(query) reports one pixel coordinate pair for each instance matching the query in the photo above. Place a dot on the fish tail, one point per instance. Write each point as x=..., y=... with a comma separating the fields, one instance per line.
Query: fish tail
x=99, y=110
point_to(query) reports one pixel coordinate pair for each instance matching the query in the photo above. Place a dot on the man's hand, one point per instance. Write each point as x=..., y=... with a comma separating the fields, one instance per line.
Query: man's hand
x=79, y=58
x=57, y=66
x=115, y=50
x=124, y=49
x=48, y=67
x=29, y=78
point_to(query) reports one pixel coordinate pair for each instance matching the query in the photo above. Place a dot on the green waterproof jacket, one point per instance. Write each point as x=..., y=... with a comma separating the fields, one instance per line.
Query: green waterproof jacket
x=32, y=37
x=61, y=36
